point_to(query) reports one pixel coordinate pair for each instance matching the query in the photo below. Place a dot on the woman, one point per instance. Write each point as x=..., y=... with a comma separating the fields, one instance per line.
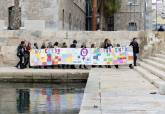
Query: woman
x=27, y=54
x=107, y=44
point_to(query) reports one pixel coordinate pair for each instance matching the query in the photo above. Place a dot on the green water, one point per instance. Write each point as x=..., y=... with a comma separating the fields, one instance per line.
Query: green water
x=40, y=98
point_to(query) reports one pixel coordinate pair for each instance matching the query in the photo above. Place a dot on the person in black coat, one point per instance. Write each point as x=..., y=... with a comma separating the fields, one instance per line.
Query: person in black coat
x=135, y=47
x=161, y=29
x=21, y=55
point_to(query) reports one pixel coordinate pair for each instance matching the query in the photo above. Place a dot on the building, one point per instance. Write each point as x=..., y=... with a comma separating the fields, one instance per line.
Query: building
x=134, y=15
x=158, y=7
x=42, y=14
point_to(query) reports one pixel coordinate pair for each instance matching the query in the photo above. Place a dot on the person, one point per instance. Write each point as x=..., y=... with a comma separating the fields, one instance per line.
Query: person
x=135, y=47
x=35, y=46
x=107, y=44
x=93, y=46
x=56, y=45
x=83, y=46
x=64, y=45
x=50, y=45
x=27, y=54
x=161, y=28
x=117, y=66
x=20, y=54
x=43, y=46
x=73, y=45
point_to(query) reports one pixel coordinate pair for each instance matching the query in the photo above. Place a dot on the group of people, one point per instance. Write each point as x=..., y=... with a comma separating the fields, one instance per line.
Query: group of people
x=23, y=52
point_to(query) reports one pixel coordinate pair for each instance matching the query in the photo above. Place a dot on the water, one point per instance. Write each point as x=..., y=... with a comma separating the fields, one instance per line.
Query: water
x=40, y=98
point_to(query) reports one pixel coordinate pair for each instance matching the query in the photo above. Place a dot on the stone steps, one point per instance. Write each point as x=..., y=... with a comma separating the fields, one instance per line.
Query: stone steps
x=155, y=71
x=162, y=52
x=155, y=64
x=156, y=81
x=160, y=56
x=157, y=59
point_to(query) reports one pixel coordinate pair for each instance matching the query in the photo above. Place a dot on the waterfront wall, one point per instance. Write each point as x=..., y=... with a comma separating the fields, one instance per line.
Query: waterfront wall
x=9, y=40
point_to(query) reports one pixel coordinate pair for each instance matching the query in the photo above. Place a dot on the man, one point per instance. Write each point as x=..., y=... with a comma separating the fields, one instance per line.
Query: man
x=161, y=29
x=21, y=55
x=135, y=47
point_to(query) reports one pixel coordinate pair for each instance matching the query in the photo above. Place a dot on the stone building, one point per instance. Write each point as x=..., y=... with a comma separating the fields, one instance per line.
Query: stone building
x=42, y=14
x=134, y=15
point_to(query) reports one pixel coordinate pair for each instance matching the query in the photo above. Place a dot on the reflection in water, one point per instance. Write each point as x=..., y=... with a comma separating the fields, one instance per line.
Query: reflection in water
x=41, y=99
x=23, y=100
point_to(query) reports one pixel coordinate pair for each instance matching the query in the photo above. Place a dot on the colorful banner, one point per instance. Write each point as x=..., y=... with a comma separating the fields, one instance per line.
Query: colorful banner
x=77, y=56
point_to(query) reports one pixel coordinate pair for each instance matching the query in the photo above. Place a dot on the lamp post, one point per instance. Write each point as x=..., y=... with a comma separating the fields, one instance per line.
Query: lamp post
x=156, y=15
x=145, y=9
x=130, y=4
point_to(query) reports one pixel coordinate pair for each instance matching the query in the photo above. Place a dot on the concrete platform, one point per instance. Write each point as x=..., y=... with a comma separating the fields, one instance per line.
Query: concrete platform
x=11, y=74
x=120, y=91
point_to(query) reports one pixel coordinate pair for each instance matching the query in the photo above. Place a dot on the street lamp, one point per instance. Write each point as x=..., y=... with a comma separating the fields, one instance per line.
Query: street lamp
x=145, y=9
x=130, y=4
x=156, y=15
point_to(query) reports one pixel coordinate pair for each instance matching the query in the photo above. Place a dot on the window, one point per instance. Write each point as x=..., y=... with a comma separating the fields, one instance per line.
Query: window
x=14, y=18
x=132, y=2
x=70, y=21
x=132, y=26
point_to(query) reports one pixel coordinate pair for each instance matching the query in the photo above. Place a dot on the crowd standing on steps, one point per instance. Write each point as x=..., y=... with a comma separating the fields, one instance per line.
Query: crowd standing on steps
x=23, y=53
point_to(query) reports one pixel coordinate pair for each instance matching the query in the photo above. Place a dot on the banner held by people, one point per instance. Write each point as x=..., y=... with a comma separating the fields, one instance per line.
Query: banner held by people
x=78, y=56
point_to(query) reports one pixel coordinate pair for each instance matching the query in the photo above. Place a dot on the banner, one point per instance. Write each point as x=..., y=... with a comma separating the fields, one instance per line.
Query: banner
x=77, y=56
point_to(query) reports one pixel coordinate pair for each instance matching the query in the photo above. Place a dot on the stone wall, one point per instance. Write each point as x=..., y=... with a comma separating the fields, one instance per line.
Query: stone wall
x=47, y=14
x=9, y=40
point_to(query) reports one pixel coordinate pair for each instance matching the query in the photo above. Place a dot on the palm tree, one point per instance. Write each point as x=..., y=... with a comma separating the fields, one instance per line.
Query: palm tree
x=107, y=8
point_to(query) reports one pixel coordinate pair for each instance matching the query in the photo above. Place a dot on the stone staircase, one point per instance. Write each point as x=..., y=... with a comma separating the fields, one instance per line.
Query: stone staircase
x=153, y=69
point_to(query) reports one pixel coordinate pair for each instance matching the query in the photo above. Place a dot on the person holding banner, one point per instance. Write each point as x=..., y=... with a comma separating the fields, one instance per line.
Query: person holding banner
x=27, y=55
x=83, y=46
x=43, y=46
x=107, y=44
x=74, y=45
x=135, y=47
x=64, y=45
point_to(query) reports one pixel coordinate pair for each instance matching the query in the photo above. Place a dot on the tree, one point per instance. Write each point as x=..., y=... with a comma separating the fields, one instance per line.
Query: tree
x=107, y=8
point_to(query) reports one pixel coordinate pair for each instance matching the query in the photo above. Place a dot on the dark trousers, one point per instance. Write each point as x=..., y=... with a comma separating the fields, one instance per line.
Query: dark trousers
x=134, y=58
x=27, y=60
x=20, y=63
